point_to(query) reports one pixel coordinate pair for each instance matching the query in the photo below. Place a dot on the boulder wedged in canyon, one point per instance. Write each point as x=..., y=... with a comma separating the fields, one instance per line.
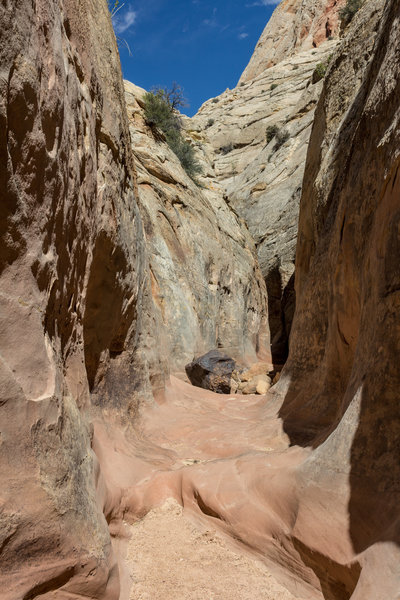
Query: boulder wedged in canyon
x=308, y=478
x=256, y=137
x=204, y=271
x=212, y=371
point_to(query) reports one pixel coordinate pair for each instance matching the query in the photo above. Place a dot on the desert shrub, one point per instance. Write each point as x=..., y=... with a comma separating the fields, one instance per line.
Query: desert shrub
x=186, y=154
x=160, y=111
x=215, y=100
x=273, y=86
x=210, y=122
x=347, y=13
x=271, y=132
x=226, y=149
x=281, y=137
x=319, y=72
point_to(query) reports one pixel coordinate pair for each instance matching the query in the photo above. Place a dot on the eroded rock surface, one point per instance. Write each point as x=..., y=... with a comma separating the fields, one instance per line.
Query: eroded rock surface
x=262, y=173
x=204, y=271
x=345, y=337
x=294, y=26
x=306, y=478
x=76, y=320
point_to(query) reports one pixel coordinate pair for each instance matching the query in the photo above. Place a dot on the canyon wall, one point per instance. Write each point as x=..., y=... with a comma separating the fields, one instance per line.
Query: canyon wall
x=77, y=325
x=86, y=337
x=204, y=270
x=340, y=384
x=293, y=27
x=256, y=136
x=307, y=477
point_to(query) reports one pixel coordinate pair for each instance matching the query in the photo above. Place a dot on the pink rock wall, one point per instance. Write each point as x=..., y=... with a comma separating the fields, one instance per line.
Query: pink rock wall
x=76, y=315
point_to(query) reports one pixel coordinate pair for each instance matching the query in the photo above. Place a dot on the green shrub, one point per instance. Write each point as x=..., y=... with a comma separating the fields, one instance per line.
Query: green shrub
x=185, y=152
x=160, y=111
x=271, y=132
x=348, y=11
x=210, y=122
x=273, y=86
x=319, y=72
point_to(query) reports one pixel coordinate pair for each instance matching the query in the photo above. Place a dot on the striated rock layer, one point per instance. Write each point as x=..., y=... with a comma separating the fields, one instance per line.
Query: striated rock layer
x=307, y=478
x=342, y=377
x=204, y=270
x=295, y=25
x=81, y=338
x=76, y=320
x=262, y=179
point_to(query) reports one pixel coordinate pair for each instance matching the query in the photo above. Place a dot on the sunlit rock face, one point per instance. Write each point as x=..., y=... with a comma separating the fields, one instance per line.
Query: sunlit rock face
x=306, y=477
x=341, y=380
x=205, y=276
x=76, y=312
x=295, y=25
x=257, y=136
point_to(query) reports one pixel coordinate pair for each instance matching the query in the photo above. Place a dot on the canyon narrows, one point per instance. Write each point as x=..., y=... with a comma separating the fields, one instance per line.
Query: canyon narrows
x=117, y=476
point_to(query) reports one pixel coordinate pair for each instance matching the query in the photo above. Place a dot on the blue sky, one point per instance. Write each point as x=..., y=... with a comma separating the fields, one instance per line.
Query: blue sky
x=203, y=45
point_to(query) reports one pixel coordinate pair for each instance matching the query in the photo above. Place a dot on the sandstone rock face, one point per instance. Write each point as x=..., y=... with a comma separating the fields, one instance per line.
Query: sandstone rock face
x=307, y=477
x=76, y=317
x=204, y=271
x=319, y=500
x=295, y=25
x=342, y=378
x=262, y=179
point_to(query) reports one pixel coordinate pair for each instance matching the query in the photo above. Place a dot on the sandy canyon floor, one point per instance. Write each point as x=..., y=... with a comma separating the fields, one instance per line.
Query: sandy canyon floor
x=207, y=476
x=173, y=557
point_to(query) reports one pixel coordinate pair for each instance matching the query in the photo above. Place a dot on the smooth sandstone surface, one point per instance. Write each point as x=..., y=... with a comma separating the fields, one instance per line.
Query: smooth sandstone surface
x=205, y=277
x=262, y=182
x=306, y=477
x=77, y=327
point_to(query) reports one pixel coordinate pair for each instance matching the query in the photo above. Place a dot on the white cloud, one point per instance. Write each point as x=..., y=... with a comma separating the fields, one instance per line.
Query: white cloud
x=242, y=36
x=263, y=3
x=123, y=21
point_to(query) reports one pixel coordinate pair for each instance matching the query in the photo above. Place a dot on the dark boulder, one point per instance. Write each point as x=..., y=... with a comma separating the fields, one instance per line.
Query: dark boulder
x=212, y=371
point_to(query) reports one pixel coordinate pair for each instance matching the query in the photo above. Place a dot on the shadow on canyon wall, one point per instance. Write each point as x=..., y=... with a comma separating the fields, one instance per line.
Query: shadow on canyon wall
x=343, y=363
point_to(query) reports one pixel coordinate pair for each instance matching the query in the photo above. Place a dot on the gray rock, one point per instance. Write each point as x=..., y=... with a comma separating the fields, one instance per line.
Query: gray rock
x=212, y=371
